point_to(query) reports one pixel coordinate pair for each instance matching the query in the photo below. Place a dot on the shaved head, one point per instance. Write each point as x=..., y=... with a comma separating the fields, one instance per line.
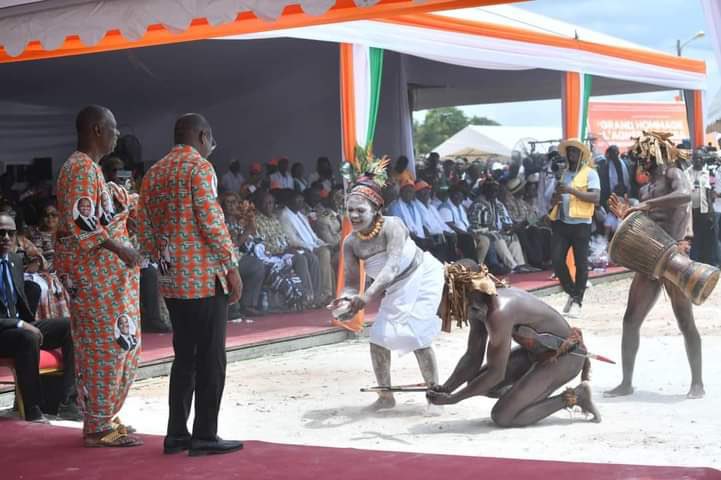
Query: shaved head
x=97, y=131
x=90, y=116
x=194, y=130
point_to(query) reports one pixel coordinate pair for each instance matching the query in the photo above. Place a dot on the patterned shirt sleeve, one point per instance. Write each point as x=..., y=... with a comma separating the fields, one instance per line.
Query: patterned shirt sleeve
x=210, y=217
x=145, y=236
x=83, y=193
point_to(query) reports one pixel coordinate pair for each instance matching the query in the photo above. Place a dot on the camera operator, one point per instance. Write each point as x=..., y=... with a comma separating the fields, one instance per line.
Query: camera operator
x=705, y=245
x=573, y=203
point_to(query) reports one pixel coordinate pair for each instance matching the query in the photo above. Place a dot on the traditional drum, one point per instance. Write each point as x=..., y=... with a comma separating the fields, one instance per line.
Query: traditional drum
x=643, y=246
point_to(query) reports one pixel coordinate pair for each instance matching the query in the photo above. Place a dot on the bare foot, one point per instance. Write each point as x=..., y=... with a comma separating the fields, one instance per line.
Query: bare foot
x=383, y=403
x=696, y=391
x=584, y=399
x=620, y=391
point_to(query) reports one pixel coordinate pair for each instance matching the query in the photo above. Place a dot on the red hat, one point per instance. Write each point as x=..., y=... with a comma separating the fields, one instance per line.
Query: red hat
x=256, y=168
x=421, y=185
x=273, y=162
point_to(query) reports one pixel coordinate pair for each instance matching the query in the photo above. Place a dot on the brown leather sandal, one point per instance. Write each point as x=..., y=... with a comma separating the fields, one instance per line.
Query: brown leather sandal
x=112, y=438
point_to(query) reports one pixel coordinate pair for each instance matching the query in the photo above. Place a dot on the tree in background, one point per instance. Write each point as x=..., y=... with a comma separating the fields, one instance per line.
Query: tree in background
x=439, y=125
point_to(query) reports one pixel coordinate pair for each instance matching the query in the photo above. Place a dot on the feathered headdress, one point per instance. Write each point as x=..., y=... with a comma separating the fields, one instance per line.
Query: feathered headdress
x=367, y=167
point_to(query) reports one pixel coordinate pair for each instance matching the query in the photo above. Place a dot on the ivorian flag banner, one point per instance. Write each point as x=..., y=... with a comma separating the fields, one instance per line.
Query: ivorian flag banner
x=361, y=72
x=576, y=90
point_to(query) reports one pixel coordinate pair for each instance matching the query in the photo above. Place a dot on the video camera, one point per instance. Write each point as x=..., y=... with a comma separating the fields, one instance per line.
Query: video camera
x=558, y=164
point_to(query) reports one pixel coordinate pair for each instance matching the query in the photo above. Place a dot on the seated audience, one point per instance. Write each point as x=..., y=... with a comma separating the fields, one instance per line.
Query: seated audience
x=232, y=180
x=297, y=171
x=254, y=182
x=37, y=245
x=240, y=219
x=323, y=174
x=442, y=237
x=272, y=247
x=22, y=337
x=401, y=174
x=520, y=213
x=406, y=209
x=300, y=235
x=490, y=219
x=281, y=178
x=454, y=214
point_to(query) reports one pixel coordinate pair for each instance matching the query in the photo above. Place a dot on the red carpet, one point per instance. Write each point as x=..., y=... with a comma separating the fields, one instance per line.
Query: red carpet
x=37, y=452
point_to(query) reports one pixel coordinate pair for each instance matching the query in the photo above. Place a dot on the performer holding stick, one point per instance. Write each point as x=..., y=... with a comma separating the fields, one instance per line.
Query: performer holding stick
x=551, y=353
x=666, y=200
x=409, y=280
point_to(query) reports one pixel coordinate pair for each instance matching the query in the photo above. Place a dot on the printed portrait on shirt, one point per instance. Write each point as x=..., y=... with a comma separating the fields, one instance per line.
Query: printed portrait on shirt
x=125, y=330
x=107, y=208
x=165, y=260
x=84, y=214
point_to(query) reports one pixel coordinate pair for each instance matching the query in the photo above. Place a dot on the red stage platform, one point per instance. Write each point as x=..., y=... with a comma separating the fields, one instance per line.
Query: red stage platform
x=32, y=451
x=158, y=347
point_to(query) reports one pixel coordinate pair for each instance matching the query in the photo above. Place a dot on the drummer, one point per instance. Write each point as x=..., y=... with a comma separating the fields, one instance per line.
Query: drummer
x=666, y=199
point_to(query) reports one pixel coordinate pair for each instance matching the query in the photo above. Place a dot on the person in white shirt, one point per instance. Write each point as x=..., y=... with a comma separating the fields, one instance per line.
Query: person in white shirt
x=281, y=179
x=301, y=236
x=300, y=184
x=323, y=174
x=705, y=245
x=454, y=214
x=232, y=180
x=442, y=237
x=404, y=208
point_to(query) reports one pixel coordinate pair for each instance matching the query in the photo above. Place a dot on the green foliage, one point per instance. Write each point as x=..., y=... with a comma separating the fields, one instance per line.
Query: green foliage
x=366, y=164
x=440, y=124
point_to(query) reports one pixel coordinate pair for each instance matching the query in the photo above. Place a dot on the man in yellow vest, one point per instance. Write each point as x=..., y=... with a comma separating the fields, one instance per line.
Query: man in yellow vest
x=577, y=193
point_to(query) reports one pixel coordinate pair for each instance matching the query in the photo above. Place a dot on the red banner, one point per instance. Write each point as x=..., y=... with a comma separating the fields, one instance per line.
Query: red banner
x=614, y=123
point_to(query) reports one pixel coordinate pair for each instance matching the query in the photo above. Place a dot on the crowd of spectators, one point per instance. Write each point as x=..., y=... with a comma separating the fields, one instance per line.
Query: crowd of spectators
x=286, y=225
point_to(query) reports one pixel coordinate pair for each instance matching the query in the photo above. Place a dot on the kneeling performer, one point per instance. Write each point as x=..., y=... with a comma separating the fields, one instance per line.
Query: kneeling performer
x=410, y=281
x=551, y=353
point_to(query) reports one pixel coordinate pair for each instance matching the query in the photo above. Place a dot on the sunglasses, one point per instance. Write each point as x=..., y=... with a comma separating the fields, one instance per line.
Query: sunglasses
x=8, y=233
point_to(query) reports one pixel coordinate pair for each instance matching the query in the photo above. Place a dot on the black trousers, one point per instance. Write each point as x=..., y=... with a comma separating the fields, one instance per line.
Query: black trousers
x=24, y=347
x=536, y=245
x=705, y=244
x=150, y=318
x=565, y=236
x=467, y=245
x=199, y=364
x=252, y=272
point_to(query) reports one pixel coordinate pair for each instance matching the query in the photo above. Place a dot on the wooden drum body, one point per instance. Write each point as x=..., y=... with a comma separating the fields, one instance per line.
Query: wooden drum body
x=643, y=246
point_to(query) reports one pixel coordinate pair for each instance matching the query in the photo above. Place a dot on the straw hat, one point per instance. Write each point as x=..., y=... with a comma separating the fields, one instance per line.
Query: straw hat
x=574, y=142
x=515, y=185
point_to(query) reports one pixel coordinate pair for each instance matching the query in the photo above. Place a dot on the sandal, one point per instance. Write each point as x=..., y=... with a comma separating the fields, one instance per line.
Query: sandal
x=124, y=429
x=112, y=438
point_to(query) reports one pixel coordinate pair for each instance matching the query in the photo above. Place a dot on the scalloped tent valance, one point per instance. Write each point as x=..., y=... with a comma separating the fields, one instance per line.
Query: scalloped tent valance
x=49, y=28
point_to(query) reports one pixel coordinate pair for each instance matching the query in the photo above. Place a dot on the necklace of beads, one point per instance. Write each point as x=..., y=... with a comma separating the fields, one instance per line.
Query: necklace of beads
x=374, y=231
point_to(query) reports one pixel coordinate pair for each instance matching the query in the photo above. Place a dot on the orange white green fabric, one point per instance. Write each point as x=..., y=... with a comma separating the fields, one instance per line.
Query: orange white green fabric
x=104, y=292
x=182, y=227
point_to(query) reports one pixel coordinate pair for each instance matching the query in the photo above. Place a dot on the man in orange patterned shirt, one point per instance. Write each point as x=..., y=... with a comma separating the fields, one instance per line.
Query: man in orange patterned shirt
x=99, y=267
x=181, y=225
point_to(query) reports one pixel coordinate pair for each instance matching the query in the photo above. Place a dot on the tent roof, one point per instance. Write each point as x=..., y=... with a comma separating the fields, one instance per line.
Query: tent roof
x=31, y=30
x=509, y=38
x=494, y=139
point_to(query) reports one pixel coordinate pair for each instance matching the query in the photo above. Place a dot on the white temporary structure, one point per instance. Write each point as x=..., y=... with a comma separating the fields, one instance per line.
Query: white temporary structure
x=497, y=140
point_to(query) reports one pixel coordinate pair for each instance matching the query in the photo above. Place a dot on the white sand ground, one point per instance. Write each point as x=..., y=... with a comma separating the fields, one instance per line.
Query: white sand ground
x=312, y=397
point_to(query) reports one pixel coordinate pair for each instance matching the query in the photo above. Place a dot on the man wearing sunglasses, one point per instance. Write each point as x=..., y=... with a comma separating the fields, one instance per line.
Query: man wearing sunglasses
x=21, y=337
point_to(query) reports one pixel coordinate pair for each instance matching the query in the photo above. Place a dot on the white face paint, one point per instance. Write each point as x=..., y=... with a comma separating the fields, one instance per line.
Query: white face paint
x=361, y=212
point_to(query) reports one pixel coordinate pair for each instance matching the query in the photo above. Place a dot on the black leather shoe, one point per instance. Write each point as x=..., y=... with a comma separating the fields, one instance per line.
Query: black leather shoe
x=35, y=415
x=173, y=444
x=213, y=447
x=69, y=411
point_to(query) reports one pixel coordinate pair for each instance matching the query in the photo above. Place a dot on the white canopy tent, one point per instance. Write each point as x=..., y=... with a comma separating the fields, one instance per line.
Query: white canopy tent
x=276, y=92
x=495, y=139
